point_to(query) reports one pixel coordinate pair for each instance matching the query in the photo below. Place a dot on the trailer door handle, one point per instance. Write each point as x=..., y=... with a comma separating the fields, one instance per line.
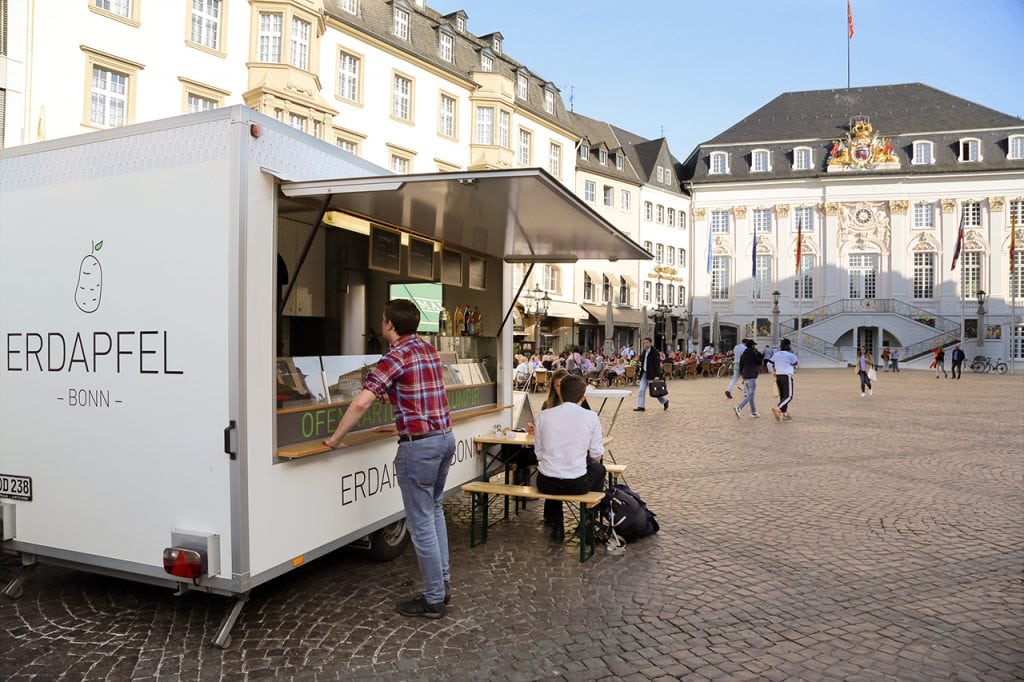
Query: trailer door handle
x=227, y=439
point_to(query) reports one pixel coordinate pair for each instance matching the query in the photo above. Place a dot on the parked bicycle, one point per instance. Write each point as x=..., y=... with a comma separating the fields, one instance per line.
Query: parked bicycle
x=983, y=363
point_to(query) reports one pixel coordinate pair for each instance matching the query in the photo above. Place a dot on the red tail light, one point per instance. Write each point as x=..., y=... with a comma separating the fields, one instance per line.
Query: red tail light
x=185, y=563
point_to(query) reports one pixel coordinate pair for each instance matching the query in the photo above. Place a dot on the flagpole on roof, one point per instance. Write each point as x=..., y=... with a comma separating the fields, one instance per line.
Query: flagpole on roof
x=849, y=38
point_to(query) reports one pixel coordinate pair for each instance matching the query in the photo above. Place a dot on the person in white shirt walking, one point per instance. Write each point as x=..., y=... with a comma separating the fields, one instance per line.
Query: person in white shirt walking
x=783, y=363
x=737, y=353
x=569, y=446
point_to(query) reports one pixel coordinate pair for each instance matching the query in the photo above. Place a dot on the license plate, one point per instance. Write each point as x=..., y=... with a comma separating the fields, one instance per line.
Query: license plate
x=16, y=487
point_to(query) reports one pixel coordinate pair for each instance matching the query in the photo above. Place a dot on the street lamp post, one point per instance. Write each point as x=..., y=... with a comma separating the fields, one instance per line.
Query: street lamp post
x=660, y=316
x=683, y=333
x=980, y=339
x=537, y=304
x=775, y=317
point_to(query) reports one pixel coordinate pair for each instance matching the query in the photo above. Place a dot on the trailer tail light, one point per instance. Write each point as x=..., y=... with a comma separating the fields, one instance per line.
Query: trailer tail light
x=193, y=555
x=185, y=563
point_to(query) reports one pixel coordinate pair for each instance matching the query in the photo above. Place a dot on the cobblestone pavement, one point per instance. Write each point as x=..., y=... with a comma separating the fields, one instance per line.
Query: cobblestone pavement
x=868, y=538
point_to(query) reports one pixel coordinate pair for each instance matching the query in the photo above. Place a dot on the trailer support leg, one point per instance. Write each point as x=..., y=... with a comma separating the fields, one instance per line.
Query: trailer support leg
x=223, y=638
x=13, y=589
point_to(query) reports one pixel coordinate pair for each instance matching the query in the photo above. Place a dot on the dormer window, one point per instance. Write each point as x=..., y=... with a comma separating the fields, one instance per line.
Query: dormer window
x=446, y=46
x=802, y=158
x=522, y=85
x=618, y=161
x=497, y=44
x=923, y=153
x=585, y=151
x=661, y=174
x=970, y=150
x=602, y=157
x=549, y=101
x=759, y=161
x=486, y=62
x=350, y=6
x=719, y=163
x=460, y=23
x=1015, y=147
x=400, y=23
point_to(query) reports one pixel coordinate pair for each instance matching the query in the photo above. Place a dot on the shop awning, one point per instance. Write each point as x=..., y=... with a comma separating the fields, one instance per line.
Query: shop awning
x=621, y=317
x=521, y=215
x=565, y=309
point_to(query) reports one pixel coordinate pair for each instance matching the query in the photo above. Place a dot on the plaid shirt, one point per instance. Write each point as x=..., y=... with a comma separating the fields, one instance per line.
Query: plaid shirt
x=410, y=376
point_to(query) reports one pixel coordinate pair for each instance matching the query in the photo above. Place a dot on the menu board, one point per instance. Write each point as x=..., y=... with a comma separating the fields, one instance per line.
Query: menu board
x=421, y=258
x=385, y=249
x=451, y=267
x=477, y=273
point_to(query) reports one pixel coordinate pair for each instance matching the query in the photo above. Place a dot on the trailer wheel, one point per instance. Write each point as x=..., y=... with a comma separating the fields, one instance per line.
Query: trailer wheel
x=388, y=543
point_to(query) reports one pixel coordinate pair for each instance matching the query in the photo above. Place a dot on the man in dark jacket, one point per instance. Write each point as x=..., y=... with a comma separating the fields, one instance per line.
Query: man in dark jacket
x=650, y=369
x=750, y=366
x=958, y=361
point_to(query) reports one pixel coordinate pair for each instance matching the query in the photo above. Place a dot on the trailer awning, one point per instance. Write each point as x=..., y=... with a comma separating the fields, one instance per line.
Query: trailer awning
x=521, y=215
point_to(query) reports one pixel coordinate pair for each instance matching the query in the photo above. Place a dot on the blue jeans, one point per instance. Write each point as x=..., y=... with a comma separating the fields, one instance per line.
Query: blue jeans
x=641, y=398
x=422, y=467
x=735, y=375
x=749, y=388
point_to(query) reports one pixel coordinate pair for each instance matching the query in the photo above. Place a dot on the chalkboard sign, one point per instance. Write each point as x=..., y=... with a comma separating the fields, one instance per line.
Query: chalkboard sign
x=385, y=249
x=421, y=258
x=477, y=273
x=451, y=267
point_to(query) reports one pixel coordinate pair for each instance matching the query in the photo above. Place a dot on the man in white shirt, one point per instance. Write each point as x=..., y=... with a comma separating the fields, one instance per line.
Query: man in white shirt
x=737, y=353
x=569, y=447
x=783, y=363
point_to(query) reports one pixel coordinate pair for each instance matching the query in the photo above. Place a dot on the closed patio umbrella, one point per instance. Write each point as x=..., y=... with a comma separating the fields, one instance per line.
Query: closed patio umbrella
x=716, y=331
x=609, y=330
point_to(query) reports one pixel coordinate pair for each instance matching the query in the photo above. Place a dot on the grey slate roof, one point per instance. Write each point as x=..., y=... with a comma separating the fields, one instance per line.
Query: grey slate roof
x=905, y=113
x=598, y=133
x=375, y=19
x=647, y=155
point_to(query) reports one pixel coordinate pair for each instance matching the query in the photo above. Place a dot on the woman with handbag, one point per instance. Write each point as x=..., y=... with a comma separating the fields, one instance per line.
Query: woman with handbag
x=651, y=372
x=864, y=364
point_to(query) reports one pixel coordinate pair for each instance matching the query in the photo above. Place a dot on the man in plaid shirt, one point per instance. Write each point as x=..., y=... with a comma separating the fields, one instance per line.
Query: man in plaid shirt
x=410, y=377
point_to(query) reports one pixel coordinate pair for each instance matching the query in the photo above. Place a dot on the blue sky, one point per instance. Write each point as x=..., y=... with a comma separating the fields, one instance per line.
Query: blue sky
x=695, y=67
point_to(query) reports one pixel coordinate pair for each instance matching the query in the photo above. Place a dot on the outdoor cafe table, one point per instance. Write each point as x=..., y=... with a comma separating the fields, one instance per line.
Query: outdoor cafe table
x=605, y=394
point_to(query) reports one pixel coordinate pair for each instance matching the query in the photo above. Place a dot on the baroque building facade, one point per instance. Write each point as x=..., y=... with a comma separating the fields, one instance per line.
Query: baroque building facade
x=392, y=81
x=871, y=186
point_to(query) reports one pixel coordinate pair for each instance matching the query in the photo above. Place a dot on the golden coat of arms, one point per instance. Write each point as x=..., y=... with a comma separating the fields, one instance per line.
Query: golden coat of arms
x=863, y=149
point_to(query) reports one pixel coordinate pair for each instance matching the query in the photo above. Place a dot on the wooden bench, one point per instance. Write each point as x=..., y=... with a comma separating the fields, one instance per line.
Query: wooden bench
x=481, y=490
x=614, y=471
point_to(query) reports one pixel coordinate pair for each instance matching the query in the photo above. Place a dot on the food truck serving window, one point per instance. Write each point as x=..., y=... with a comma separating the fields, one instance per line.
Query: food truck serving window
x=349, y=246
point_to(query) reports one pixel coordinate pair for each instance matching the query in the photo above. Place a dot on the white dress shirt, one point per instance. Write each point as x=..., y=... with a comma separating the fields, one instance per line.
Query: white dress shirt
x=563, y=437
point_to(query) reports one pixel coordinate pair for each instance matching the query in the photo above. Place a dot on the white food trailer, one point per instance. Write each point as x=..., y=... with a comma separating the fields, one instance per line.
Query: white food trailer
x=188, y=305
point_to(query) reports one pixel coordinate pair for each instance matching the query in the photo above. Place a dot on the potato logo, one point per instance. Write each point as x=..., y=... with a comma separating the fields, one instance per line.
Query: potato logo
x=90, y=282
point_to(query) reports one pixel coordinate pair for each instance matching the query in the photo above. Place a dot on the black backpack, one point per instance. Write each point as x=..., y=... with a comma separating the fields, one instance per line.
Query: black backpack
x=627, y=514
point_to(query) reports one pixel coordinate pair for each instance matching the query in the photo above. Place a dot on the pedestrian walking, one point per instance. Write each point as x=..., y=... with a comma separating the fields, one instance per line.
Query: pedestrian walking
x=886, y=357
x=410, y=377
x=650, y=369
x=783, y=362
x=894, y=359
x=939, y=362
x=739, y=350
x=958, y=357
x=749, y=363
x=863, y=365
